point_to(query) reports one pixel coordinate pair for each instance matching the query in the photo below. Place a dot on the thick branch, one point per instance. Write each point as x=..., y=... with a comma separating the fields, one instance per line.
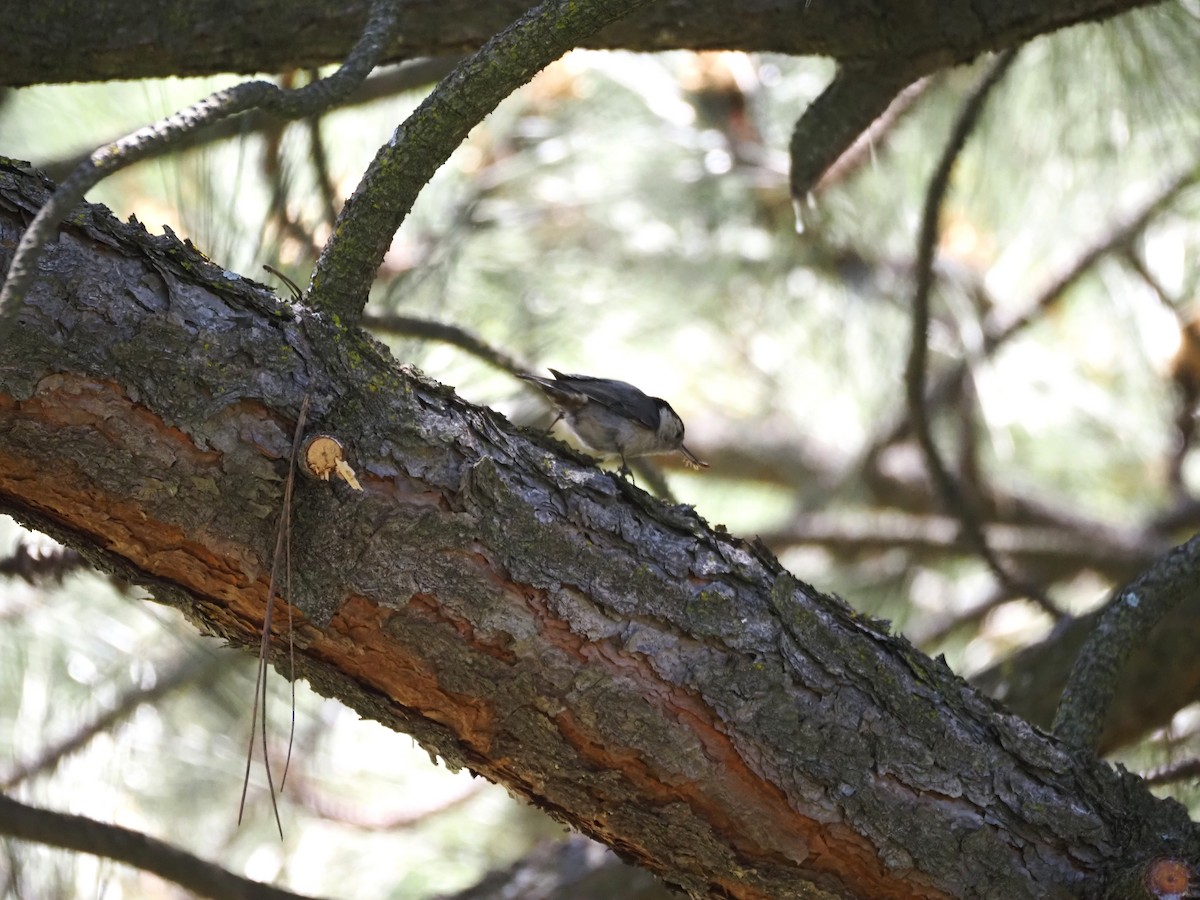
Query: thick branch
x=63, y=40
x=662, y=687
x=101, y=839
x=948, y=489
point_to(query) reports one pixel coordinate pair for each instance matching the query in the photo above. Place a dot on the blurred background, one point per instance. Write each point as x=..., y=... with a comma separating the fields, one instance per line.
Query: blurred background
x=629, y=216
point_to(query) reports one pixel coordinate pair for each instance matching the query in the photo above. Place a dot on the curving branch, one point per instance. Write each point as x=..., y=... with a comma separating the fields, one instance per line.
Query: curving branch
x=455, y=335
x=916, y=375
x=350, y=260
x=85, y=835
x=1000, y=330
x=163, y=135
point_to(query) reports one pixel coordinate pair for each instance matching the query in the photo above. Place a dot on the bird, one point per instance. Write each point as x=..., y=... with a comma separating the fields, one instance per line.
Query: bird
x=614, y=418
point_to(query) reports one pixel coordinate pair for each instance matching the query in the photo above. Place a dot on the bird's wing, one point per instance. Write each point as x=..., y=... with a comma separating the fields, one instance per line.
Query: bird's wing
x=618, y=396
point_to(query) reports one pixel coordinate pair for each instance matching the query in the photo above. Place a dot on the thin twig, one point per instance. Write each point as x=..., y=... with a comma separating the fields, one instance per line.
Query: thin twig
x=320, y=164
x=411, y=326
x=164, y=134
x=385, y=83
x=287, y=565
x=291, y=285
x=916, y=373
x=260, y=681
x=183, y=672
x=423, y=142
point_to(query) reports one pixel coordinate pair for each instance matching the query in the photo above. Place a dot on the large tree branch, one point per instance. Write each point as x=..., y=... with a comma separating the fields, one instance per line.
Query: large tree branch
x=67, y=41
x=662, y=687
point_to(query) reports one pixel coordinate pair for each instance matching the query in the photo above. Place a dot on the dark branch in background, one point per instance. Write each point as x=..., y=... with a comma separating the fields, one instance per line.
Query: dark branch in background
x=53, y=564
x=425, y=329
x=275, y=174
x=185, y=672
x=1123, y=625
x=1108, y=550
x=388, y=83
x=574, y=868
x=330, y=201
x=930, y=634
x=857, y=96
x=1187, y=770
x=86, y=835
x=1120, y=237
x=997, y=334
x=947, y=488
x=1161, y=676
x=369, y=220
x=162, y=135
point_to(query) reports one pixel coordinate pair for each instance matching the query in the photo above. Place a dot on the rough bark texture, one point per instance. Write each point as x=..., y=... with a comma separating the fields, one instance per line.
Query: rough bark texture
x=61, y=40
x=661, y=686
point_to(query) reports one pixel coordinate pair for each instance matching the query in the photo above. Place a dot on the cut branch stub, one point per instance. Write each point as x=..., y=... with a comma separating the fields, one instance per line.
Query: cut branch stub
x=323, y=455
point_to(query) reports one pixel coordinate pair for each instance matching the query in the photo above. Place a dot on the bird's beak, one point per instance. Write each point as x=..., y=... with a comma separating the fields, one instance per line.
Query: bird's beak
x=692, y=459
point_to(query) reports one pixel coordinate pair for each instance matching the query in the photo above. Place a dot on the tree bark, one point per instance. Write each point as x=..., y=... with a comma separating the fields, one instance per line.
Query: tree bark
x=61, y=40
x=663, y=687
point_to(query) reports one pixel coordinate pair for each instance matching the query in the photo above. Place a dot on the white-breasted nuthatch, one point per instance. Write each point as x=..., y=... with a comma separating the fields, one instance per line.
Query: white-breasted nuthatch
x=613, y=418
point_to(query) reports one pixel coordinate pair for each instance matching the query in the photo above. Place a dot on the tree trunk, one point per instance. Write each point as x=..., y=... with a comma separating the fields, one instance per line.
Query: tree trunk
x=663, y=687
